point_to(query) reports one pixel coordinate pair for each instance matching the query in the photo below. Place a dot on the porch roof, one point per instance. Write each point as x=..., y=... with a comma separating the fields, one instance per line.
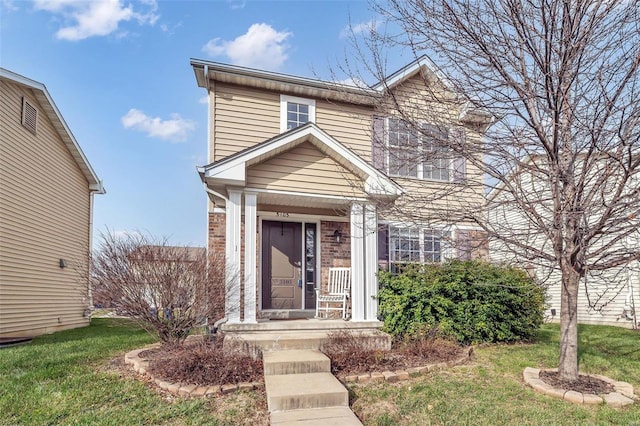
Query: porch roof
x=232, y=170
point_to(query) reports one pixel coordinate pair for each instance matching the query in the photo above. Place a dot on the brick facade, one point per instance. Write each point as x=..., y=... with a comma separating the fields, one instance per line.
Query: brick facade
x=333, y=254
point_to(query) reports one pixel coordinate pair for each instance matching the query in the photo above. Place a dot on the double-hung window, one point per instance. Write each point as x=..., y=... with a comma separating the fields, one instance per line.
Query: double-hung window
x=295, y=112
x=417, y=153
x=407, y=244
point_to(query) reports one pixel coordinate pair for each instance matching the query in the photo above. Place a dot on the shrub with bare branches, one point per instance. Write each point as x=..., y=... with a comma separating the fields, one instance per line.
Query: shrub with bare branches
x=166, y=289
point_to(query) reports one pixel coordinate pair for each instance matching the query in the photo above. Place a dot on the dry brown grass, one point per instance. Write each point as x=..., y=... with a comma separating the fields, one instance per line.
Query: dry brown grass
x=203, y=362
x=349, y=355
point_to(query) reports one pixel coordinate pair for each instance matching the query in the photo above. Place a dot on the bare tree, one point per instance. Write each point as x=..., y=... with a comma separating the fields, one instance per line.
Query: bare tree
x=168, y=290
x=561, y=80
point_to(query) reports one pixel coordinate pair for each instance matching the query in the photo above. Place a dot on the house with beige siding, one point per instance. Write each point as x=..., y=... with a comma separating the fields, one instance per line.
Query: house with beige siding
x=46, y=198
x=305, y=175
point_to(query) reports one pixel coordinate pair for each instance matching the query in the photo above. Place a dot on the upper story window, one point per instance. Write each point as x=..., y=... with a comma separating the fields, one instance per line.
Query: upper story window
x=295, y=112
x=417, y=153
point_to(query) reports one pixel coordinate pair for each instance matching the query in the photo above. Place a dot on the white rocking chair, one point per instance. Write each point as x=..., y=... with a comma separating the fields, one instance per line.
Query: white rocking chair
x=338, y=291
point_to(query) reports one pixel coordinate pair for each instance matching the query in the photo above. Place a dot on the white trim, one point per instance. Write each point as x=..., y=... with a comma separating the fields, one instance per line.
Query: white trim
x=54, y=114
x=357, y=263
x=285, y=99
x=420, y=172
x=411, y=69
x=250, y=203
x=371, y=262
x=232, y=252
x=302, y=219
x=233, y=169
x=306, y=195
x=309, y=218
x=446, y=249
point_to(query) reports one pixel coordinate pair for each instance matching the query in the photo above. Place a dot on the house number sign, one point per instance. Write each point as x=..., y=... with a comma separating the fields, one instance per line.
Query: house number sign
x=282, y=214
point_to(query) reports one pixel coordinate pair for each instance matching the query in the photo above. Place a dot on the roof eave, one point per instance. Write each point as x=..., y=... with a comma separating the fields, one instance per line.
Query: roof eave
x=53, y=113
x=281, y=82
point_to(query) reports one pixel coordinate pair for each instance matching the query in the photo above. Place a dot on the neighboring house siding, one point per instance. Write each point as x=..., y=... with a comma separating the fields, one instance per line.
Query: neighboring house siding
x=44, y=217
x=601, y=298
x=304, y=169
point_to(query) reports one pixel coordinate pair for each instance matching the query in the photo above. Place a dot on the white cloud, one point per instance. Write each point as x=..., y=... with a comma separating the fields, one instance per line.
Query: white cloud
x=237, y=4
x=8, y=6
x=362, y=27
x=353, y=81
x=175, y=129
x=204, y=100
x=84, y=19
x=261, y=47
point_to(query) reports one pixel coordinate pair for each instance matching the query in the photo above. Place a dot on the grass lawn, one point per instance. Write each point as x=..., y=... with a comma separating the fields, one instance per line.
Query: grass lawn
x=490, y=390
x=67, y=378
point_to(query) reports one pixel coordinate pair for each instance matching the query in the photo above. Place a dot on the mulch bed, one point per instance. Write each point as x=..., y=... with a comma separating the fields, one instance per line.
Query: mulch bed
x=584, y=384
x=202, y=361
x=349, y=356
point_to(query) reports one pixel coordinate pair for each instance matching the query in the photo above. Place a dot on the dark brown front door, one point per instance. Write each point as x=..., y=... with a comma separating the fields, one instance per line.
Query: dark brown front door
x=281, y=265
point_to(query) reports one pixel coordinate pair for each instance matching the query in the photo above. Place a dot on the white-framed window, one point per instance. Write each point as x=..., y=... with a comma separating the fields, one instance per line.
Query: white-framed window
x=413, y=244
x=417, y=153
x=295, y=112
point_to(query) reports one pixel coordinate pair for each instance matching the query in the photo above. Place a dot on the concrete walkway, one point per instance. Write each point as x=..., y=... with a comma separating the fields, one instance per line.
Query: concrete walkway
x=302, y=391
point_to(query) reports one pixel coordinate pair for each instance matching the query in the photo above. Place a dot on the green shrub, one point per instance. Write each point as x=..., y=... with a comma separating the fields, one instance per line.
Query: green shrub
x=471, y=301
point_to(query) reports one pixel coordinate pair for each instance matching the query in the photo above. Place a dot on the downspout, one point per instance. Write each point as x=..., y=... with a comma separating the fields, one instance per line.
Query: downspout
x=92, y=191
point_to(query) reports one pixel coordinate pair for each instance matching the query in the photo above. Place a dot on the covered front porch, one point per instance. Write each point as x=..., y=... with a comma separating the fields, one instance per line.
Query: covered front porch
x=290, y=209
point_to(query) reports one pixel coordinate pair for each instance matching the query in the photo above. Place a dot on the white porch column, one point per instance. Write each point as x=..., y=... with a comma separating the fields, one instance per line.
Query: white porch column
x=357, y=264
x=371, y=262
x=250, y=211
x=232, y=251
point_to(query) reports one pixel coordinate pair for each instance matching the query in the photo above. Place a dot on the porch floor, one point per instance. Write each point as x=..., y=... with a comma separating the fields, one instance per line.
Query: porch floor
x=273, y=335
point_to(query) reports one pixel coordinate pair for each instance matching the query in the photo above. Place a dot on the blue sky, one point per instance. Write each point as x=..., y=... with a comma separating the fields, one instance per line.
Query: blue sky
x=119, y=72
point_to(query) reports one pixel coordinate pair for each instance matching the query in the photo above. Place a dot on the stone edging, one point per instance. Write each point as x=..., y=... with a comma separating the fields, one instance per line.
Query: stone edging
x=622, y=396
x=141, y=366
x=395, y=376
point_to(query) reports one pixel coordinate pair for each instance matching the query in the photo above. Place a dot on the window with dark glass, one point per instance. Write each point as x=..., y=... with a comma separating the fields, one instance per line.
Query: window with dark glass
x=417, y=153
x=297, y=114
x=407, y=245
x=310, y=265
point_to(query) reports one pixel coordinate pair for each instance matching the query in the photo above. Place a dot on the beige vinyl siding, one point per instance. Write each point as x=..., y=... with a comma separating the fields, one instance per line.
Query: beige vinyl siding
x=435, y=106
x=304, y=169
x=44, y=217
x=426, y=103
x=348, y=124
x=243, y=117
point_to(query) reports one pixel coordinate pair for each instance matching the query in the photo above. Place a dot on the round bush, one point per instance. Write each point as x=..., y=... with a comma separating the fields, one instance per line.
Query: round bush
x=471, y=301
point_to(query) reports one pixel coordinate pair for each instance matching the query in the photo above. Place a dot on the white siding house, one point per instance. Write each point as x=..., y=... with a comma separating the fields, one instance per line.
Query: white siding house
x=610, y=297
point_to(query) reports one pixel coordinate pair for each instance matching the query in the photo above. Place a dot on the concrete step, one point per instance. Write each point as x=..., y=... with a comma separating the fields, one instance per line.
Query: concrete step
x=301, y=391
x=254, y=343
x=331, y=416
x=295, y=362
